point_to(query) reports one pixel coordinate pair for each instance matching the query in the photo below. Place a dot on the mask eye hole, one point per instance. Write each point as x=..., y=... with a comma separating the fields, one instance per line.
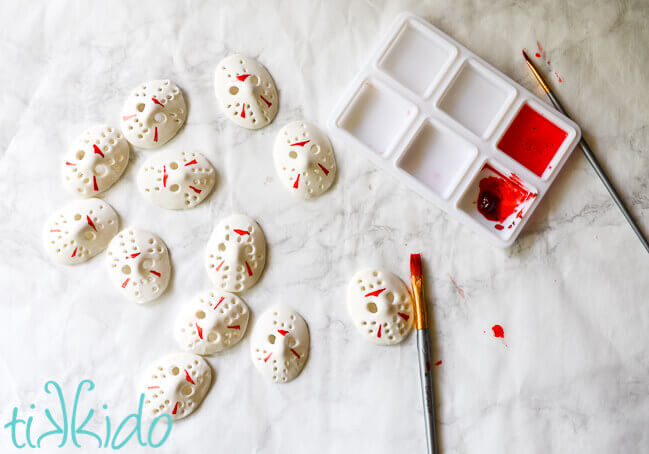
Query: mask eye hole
x=90, y=235
x=291, y=341
x=254, y=80
x=160, y=117
x=271, y=338
x=175, y=370
x=292, y=154
x=315, y=149
x=140, y=107
x=80, y=154
x=173, y=165
x=371, y=307
x=126, y=269
x=234, y=90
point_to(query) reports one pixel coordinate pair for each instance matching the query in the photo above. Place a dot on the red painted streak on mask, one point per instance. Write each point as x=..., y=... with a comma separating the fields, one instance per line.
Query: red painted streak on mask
x=296, y=353
x=155, y=273
x=155, y=135
x=68, y=163
x=324, y=169
x=175, y=409
x=220, y=265
x=74, y=253
x=378, y=334
x=220, y=301
x=155, y=101
x=55, y=230
x=128, y=117
x=199, y=330
x=249, y=270
x=297, y=182
x=438, y=363
x=191, y=163
x=153, y=387
x=234, y=327
x=268, y=103
x=196, y=190
x=498, y=331
x=375, y=292
x=300, y=144
x=164, y=176
x=97, y=150
x=283, y=332
x=125, y=283
x=90, y=223
x=403, y=316
x=241, y=232
x=94, y=183
x=266, y=358
x=132, y=256
x=243, y=110
x=188, y=377
x=243, y=77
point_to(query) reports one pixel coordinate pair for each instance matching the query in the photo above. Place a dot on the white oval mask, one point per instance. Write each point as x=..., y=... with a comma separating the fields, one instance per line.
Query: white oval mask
x=246, y=91
x=138, y=263
x=153, y=113
x=380, y=306
x=79, y=231
x=176, y=385
x=280, y=344
x=175, y=179
x=211, y=322
x=304, y=159
x=236, y=253
x=96, y=161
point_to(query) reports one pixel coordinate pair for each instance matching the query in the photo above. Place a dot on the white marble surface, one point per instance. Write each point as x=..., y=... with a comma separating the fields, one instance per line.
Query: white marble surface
x=572, y=372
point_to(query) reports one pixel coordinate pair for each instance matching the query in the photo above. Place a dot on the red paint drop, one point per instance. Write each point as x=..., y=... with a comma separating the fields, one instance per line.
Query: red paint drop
x=220, y=301
x=268, y=103
x=155, y=273
x=68, y=163
x=234, y=327
x=378, y=333
x=297, y=181
x=300, y=144
x=74, y=253
x=90, y=223
x=94, y=183
x=199, y=330
x=164, y=176
x=155, y=101
x=155, y=135
x=558, y=77
x=220, y=265
x=249, y=270
x=243, y=77
x=326, y=172
x=295, y=353
x=499, y=226
x=196, y=190
x=188, y=377
x=243, y=111
x=500, y=196
x=538, y=55
x=403, y=316
x=191, y=163
x=375, y=292
x=241, y=232
x=125, y=282
x=97, y=150
x=532, y=140
x=175, y=409
x=128, y=117
x=283, y=332
x=438, y=363
x=498, y=331
x=266, y=358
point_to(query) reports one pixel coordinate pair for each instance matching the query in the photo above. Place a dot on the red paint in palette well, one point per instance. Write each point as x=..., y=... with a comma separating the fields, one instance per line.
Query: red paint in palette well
x=532, y=140
x=500, y=196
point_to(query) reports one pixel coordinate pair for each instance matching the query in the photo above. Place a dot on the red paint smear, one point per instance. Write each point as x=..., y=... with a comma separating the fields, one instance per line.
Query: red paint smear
x=457, y=287
x=125, y=282
x=164, y=176
x=132, y=256
x=243, y=111
x=532, y=140
x=375, y=292
x=220, y=301
x=196, y=190
x=503, y=195
x=296, y=354
x=191, y=163
x=175, y=409
x=90, y=223
x=97, y=150
x=326, y=172
x=199, y=330
x=243, y=77
x=55, y=230
x=300, y=144
x=438, y=363
x=188, y=377
x=498, y=331
x=155, y=136
x=128, y=117
x=297, y=182
x=378, y=334
x=241, y=232
x=153, y=387
x=266, y=358
x=74, y=253
x=403, y=316
x=157, y=102
x=68, y=163
x=283, y=332
x=249, y=270
x=155, y=273
x=266, y=101
x=234, y=327
x=220, y=265
x=94, y=183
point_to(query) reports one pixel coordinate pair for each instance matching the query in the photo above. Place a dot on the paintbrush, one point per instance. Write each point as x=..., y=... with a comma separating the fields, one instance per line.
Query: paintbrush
x=589, y=154
x=423, y=348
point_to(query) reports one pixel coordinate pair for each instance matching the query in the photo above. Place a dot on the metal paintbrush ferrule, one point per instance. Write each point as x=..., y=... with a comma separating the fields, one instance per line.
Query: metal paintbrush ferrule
x=421, y=319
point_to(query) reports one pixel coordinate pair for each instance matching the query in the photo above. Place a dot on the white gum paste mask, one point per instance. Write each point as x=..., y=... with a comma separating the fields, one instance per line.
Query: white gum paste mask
x=246, y=91
x=211, y=322
x=175, y=385
x=380, y=306
x=175, y=179
x=96, y=161
x=139, y=265
x=304, y=159
x=80, y=230
x=153, y=113
x=280, y=344
x=236, y=253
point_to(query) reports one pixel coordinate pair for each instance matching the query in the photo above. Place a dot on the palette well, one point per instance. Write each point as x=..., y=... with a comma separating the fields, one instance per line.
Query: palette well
x=453, y=128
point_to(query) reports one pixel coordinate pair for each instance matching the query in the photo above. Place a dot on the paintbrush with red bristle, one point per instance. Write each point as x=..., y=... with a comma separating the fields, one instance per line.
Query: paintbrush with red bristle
x=423, y=347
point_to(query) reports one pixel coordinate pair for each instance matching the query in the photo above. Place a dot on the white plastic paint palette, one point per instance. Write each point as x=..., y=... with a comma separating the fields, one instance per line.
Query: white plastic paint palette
x=432, y=113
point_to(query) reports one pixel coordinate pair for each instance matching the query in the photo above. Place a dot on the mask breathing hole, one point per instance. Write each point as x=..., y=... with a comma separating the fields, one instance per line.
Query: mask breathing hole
x=291, y=342
x=89, y=236
x=372, y=307
x=126, y=269
x=390, y=296
x=140, y=107
x=200, y=314
x=174, y=188
x=187, y=390
x=173, y=165
x=175, y=370
x=271, y=338
x=77, y=217
x=315, y=149
x=212, y=337
x=234, y=90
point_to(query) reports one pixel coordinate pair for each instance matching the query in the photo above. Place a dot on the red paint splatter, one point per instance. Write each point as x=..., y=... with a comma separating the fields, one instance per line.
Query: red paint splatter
x=324, y=169
x=199, y=330
x=297, y=181
x=188, y=377
x=249, y=270
x=499, y=226
x=220, y=301
x=295, y=353
x=243, y=110
x=196, y=190
x=243, y=77
x=191, y=163
x=541, y=52
x=97, y=150
x=68, y=163
x=266, y=358
x=164, y=176
x=74, y=253
x=128, y=117
x=155, y=273
x=378, y=333
x=500, y=196
x=175, y=409
x=375, y=292
x=438, y=363
x=155, y=135
x=155, y=101
x=94, y=183
x=125, y=282
x=220, y=265
x=457, y=287
x=300, y=144
x=234, y=327
x=283, y=332
x=538, y=55
x=90, y=223
x=268, y=103
x=241, y=232
x=558, y=77
x=498, y=331
x=132, y=256
x=403, y=316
